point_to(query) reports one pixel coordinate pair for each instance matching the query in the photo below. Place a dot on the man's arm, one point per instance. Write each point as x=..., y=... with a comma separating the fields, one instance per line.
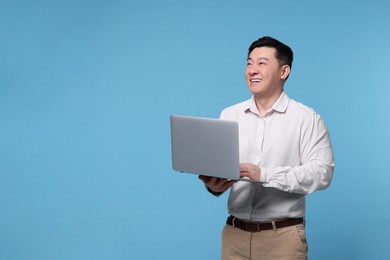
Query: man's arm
x=317, y=163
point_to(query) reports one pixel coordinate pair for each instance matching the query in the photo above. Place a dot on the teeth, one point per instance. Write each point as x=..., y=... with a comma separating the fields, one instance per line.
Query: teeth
x=255, y=80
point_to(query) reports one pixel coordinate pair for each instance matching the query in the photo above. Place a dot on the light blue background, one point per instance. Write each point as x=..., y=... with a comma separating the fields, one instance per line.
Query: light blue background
x=86, y=90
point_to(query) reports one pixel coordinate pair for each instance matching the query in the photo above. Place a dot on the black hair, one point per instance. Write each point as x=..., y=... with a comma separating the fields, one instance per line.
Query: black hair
x=284, y=54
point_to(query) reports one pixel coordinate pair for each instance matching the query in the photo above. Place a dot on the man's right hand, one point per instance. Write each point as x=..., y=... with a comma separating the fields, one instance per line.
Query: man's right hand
x=217, y=184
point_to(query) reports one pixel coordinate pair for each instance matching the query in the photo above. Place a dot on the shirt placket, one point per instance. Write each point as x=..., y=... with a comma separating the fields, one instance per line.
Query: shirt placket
x=259, y=140
x=257, y=153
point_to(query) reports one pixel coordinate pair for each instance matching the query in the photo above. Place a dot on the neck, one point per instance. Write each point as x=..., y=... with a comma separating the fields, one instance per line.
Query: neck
x=265, y=103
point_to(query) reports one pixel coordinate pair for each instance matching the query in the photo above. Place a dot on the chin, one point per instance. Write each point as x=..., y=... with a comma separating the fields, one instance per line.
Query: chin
x=255, y=91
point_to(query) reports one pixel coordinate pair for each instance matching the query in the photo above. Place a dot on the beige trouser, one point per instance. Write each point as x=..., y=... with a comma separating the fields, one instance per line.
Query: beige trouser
x=287, y=243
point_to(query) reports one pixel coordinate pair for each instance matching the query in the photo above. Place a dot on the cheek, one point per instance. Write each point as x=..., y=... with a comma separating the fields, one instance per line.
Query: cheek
x=246, y=75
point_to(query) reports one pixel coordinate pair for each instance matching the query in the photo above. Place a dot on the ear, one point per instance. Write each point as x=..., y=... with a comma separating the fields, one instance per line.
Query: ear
x=284, y=72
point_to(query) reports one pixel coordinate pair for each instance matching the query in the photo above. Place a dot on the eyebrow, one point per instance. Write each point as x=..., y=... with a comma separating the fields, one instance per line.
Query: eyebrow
x=261, y=58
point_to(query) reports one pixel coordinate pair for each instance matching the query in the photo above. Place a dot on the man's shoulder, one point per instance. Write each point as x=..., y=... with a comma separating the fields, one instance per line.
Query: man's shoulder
x=238, y=106
x=301, y=108
x=234, y=110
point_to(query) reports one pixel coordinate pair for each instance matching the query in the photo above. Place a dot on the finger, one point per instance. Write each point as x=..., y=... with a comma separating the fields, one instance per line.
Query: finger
x=220, y=182
x=244, y=165
x=243, y=174
x=228, y=184
x=203, y=178
x=206, y=180
x=244, y=168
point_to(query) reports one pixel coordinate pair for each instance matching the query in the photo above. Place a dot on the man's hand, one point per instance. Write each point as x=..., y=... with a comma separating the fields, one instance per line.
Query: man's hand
x=250, y=171
x=216, y=184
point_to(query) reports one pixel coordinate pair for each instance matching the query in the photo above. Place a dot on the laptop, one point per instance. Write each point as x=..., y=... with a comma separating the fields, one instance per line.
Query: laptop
x=205, y=146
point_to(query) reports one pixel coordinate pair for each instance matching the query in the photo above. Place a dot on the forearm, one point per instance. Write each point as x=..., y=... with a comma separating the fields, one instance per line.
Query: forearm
x=303, y=179
x=313, y=171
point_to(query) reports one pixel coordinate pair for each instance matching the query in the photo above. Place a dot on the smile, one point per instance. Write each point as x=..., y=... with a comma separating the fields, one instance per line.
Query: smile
x=255, y=80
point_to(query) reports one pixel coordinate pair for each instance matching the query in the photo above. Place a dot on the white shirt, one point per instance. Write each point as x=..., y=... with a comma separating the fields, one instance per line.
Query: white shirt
x=291, y=145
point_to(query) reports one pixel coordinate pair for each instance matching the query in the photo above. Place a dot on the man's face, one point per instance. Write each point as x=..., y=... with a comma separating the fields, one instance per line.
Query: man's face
x=264, y=74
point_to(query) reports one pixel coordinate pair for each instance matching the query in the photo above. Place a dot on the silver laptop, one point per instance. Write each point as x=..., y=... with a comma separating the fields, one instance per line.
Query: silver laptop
x=205, y=146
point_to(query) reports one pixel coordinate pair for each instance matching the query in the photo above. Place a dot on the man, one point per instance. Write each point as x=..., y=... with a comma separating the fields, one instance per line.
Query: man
x=285, y=152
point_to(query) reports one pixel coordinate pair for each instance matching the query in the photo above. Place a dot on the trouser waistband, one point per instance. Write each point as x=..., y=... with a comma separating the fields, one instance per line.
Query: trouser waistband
x=251, y=226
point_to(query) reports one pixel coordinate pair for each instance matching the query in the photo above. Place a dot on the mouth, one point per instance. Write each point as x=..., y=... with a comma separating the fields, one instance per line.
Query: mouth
x=255, y=80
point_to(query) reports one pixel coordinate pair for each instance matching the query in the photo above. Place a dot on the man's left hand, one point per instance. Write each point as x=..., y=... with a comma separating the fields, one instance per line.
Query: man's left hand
x=250, y=171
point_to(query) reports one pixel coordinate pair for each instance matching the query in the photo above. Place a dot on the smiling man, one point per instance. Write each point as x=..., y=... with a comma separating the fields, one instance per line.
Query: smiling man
x=285, y=152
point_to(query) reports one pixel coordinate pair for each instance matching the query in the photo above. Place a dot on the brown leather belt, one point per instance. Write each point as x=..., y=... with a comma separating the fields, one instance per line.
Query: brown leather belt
x=251, y=226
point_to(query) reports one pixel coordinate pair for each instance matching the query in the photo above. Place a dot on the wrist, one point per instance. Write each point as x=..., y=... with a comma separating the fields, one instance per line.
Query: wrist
x=215, y=193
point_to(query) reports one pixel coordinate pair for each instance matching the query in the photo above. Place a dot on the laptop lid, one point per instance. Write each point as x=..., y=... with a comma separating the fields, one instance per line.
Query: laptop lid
x=205, y=146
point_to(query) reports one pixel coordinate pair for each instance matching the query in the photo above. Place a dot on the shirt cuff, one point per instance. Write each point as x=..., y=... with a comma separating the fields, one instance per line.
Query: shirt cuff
x=265, y=174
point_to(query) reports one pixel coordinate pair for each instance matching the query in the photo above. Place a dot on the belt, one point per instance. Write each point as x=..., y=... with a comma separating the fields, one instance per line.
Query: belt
x=251, y=226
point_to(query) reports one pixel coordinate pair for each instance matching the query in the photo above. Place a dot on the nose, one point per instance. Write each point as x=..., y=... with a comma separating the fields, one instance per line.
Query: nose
x=252, y=70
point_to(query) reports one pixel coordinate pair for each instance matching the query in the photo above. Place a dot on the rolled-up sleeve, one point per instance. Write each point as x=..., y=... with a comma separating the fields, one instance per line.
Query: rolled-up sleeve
x=316, y=166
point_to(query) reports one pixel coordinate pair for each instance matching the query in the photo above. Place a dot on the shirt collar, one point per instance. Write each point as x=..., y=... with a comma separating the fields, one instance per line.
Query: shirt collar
x=279, y=106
